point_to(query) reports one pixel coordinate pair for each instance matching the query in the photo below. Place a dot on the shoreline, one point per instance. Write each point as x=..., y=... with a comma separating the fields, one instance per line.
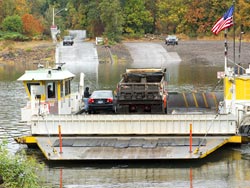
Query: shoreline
x=211, y=51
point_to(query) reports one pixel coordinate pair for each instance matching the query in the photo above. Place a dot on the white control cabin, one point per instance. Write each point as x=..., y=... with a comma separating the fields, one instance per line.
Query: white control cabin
x=49, y=92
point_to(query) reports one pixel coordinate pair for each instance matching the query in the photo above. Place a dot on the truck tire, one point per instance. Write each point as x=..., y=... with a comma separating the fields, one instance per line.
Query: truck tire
x=122, y=109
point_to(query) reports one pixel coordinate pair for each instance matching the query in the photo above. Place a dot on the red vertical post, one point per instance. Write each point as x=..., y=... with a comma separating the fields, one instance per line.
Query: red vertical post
x=190, y=138
x=60, y=138
x=61, y=178
x=191, y=177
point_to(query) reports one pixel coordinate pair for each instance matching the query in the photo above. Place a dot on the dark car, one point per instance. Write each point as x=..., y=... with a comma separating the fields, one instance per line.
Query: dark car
x=68, y=40
x=171, y=40
x=101, y=101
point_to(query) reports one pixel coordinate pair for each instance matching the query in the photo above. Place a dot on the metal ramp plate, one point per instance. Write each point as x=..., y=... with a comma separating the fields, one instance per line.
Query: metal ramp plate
x=128, y=148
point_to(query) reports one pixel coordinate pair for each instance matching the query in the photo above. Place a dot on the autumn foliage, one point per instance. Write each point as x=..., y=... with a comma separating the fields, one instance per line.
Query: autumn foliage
x=31, y=26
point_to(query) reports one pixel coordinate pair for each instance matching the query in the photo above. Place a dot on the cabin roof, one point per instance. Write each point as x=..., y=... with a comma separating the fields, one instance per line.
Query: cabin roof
x=46, y=74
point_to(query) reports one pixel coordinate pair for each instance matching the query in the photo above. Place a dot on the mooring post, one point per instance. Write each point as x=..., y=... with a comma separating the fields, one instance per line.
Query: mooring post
x=190, y=138
x=60, y=138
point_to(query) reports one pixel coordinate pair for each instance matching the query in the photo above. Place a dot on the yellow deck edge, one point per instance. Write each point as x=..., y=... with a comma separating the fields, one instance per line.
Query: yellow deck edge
x=235, y=139
x=26, y=140
x=232, y=139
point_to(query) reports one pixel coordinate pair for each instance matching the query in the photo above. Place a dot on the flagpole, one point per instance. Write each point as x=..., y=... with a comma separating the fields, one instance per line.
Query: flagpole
x=225, y=52
x=234, y=30
x=241, y=32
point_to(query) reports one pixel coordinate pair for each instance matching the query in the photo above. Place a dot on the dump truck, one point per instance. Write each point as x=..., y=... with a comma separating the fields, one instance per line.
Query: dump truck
x=142, y=91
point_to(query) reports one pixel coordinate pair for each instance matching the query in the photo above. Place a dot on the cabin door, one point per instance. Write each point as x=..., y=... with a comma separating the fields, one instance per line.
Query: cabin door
x=52, y=97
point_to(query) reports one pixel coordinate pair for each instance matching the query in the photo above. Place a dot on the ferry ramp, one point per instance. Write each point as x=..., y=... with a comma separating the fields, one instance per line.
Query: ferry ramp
x=132, y=137
x=129, y=148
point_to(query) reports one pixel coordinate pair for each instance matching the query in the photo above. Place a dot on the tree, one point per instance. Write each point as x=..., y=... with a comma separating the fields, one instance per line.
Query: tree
x=137, y=17
x=130, y=17
x=111, y=17
x=76, y=18
x=21, y=7
x=151, y=6
x=242, y=15
x=170, y=15
x=95, y=25
x=38, y=7
x=201, y=19
x=7, y=8
x=31, y=26
x=13, y=23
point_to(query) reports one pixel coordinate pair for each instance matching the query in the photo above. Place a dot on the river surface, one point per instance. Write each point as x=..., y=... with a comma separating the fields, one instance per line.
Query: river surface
x=227, y=167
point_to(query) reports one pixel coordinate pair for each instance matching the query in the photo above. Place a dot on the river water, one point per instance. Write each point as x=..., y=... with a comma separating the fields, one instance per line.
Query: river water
x=227, y=167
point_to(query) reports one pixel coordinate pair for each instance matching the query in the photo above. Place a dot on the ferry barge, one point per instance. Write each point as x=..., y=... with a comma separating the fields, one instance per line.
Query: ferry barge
x=62, y=133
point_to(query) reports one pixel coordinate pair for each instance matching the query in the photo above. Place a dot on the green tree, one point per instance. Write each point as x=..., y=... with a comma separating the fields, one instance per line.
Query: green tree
x=13, y=23
x=95, y=25
x=38, y=7
x=112, y=19
x=76, y=18
x=151, y=6
x=7, y=8
x=170, y=15
x=137, y=18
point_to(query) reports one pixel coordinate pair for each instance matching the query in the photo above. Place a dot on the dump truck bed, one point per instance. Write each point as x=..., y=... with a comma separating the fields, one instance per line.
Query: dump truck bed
x=142, y=90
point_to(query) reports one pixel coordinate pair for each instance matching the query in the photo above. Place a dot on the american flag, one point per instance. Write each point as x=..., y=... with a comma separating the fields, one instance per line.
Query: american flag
x=225, y=22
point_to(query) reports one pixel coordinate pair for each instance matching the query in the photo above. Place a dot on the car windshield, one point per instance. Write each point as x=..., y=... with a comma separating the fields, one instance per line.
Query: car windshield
x=67, y=37
x=102, y=94
x=172, y=37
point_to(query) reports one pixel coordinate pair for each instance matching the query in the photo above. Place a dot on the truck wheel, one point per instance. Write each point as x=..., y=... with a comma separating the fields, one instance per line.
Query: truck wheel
x=164, y=110
x=123, y=109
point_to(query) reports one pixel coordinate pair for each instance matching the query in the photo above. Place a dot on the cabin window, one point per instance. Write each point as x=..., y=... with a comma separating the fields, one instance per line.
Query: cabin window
x=62, y=90
x=51, y=90
x=32, y=84
x=67, y=87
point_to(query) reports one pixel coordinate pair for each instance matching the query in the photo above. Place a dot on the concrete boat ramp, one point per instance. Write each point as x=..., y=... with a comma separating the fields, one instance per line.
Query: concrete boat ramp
x=130, y=148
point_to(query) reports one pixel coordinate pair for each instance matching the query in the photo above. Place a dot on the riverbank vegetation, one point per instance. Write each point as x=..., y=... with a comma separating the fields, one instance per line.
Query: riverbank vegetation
x=17, y=170
x=116, y=19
